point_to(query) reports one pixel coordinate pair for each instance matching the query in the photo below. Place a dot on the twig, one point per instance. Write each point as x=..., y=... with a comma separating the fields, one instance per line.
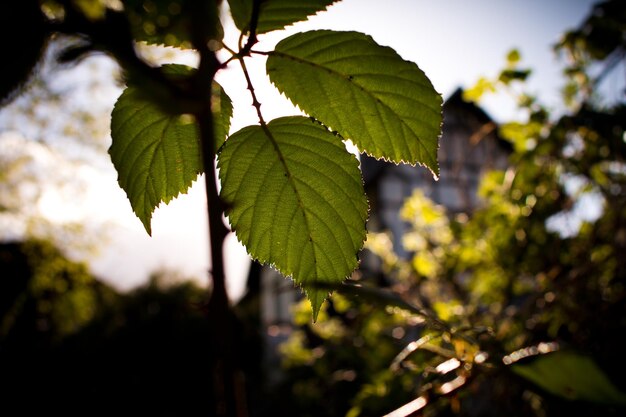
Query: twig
x=228, y=379
x=255, y=102
x=254, y=21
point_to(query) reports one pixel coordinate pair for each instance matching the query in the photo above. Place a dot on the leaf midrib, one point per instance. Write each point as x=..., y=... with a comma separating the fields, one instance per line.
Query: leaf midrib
x=291, y=182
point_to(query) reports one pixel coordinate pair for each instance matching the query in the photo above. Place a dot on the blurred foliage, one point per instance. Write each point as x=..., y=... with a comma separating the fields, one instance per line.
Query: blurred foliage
x=571, y=376
x=532, y=311
x=52, y=143
x=74, y=345
x=168, y=22
x=58, y=298
x=593, y=50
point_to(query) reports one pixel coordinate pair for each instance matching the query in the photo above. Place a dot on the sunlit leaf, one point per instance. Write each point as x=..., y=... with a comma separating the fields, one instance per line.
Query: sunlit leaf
x=478, y=90
x=572, y=376
x=364, y=91
x=513, y=57
x=222, y=113
x=295, y=199
x=157, y=154
x=92, y=9
x=519, y=134
x=275, y=14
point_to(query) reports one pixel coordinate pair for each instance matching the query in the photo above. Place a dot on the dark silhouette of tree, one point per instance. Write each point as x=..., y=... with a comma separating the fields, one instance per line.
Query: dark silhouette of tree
x=72, y=344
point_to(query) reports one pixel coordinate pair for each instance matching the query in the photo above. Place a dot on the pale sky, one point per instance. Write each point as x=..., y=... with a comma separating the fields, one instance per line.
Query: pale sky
x=453, y=41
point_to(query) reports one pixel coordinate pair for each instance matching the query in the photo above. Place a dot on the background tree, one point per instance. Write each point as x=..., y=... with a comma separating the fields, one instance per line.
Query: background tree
x=51, y=138
x=74, y=345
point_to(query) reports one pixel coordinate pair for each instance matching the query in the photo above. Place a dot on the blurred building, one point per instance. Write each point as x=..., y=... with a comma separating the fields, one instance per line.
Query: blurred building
x=469, y=147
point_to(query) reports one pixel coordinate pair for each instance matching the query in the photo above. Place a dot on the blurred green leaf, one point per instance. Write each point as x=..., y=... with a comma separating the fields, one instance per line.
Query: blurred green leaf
x=572, y=376
x=519, y=134
x=482, y=86
x=510, y=75
x=92, y=9
x=513, y=57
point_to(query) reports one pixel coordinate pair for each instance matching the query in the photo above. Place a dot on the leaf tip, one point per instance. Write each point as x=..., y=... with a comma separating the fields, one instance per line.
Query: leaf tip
x=145, y=217
x=147, y=225
x=435, y=171
x=315, y=313
x=317, y=299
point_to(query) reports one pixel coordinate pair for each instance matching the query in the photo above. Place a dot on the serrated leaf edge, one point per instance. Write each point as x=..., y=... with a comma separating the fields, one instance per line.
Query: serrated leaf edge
x=290, y=274
x=435, y=171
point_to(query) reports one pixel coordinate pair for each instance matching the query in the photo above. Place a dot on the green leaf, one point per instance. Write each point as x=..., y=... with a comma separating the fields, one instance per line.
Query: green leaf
x=296, y=201
x=275, y=14
x=364, y=91
x=157, y=155
x=512, y=58
x=509, y=75
x=92, y=9
x=482, y=87
x=572, y=376
x=222, y=107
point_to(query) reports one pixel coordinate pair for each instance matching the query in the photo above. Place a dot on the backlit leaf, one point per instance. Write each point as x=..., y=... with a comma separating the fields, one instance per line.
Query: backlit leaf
x=222, y=113
x=364, y=91
x=92, y=9
x=296, y=201
x=157, y=154
x=275, y=14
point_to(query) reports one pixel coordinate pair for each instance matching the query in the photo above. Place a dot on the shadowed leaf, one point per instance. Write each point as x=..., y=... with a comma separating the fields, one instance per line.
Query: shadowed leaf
x=571, y=376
